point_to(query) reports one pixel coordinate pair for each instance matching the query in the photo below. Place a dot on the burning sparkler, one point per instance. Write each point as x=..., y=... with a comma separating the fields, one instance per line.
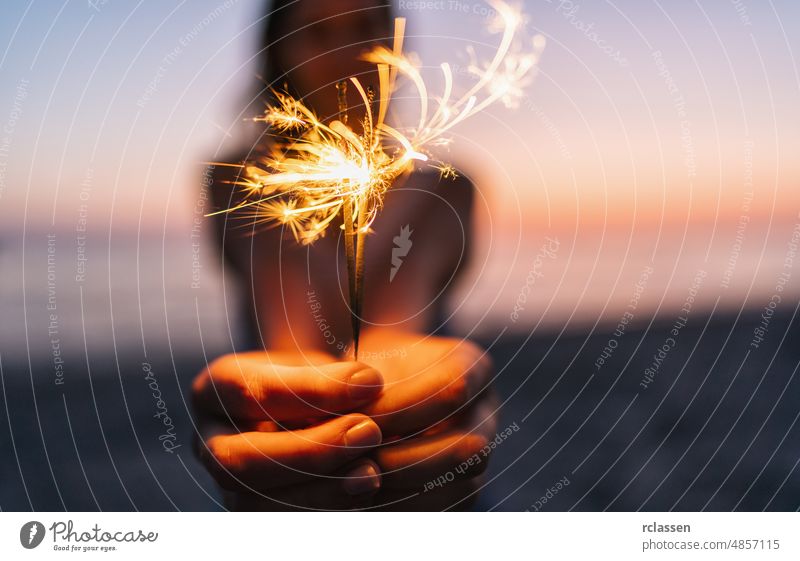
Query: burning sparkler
x=317, y=171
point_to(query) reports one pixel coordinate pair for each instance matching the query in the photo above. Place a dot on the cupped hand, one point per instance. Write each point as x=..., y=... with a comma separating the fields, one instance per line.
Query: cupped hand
x=280, y=427
x=426, y=397
x=438, y=415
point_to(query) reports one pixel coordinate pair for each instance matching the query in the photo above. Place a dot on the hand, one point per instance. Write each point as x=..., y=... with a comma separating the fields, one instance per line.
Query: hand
x=434, y=407
x=262, y=438
x=437, y=412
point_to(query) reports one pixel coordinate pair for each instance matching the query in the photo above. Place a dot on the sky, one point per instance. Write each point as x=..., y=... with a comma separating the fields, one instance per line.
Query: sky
x=641, y=111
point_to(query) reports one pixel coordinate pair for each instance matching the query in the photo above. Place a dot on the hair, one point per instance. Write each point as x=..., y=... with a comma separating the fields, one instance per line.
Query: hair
x=271, y=72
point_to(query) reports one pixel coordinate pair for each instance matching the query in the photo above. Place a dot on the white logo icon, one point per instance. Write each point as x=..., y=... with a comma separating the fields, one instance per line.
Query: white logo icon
x=402, y=247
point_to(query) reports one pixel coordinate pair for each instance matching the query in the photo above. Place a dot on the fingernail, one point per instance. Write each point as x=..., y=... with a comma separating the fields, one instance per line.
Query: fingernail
x=361, y=480
x=364, y=384
x=365, y=434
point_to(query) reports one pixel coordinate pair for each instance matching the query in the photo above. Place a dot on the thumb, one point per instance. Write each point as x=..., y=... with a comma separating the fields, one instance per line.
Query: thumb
x=252, y=387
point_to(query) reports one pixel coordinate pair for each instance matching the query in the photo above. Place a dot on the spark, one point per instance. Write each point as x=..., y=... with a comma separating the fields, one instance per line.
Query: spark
x=446, y=171
x=323, y=167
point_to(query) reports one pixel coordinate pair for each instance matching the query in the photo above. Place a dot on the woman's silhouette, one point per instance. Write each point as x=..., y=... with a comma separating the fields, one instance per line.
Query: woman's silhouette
x=294, y=424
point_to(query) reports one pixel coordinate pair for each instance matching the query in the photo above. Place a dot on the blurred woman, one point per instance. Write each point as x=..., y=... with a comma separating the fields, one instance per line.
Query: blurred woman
x=295, y=424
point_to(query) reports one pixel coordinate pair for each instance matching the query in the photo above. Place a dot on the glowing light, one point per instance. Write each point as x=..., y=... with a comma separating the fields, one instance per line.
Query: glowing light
x=323, y=167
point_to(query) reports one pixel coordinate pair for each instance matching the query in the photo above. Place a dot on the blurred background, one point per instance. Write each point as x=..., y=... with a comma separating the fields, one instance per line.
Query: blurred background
x=649, y=179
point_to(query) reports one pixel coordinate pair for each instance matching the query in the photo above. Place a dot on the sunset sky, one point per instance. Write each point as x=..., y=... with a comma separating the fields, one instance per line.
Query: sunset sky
x=642, y=111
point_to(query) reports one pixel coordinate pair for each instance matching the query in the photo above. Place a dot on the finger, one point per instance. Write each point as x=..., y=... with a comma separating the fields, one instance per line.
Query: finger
x=354, y=488
x=252, y=387
x=433, y=394
x=263, y=460
x=430, y=461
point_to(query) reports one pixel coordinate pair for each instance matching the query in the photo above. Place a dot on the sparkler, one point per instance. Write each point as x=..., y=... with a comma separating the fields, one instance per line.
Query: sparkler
x=317, y=171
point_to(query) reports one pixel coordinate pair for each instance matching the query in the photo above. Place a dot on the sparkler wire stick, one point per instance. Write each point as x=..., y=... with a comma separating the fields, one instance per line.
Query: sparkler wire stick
x=359, y=280
x=350, y=241
x=353, y=240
